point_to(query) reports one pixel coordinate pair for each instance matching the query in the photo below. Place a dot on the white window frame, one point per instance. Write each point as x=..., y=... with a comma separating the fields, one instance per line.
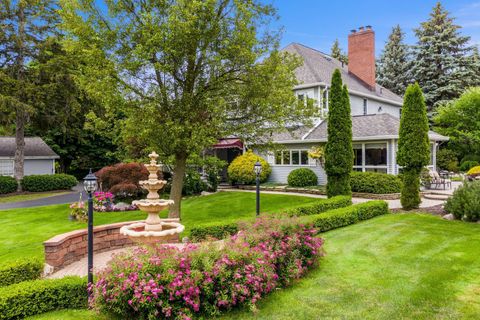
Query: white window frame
x=290, y=151
x=364, y=166
x=4, y=163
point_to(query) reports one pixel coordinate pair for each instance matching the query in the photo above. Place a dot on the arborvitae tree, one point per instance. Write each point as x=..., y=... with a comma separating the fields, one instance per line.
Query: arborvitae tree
x=413, y=145
x=393, y=67
x=442, y=66
x=337, y=53
x=339, y=151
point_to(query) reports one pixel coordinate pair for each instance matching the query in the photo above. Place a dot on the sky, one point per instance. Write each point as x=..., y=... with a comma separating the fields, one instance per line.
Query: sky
x=317, y=23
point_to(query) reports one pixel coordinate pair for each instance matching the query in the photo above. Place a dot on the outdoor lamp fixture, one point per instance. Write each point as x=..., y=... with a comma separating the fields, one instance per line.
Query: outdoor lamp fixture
x=90, y=185
x=258, y=170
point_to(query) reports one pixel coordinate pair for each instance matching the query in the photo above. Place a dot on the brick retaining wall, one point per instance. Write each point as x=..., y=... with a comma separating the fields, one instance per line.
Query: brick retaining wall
x=66, y=248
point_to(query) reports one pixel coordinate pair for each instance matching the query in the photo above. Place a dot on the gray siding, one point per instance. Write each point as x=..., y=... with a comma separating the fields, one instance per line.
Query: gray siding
x=373, y=107
x=280, y=173
x=39, y=166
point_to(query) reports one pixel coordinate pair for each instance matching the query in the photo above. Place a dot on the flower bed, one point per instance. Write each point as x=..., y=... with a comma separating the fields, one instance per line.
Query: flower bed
x=199, y=281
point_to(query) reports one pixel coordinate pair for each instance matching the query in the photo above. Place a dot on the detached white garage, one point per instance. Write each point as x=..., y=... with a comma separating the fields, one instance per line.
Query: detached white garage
x=39, y=157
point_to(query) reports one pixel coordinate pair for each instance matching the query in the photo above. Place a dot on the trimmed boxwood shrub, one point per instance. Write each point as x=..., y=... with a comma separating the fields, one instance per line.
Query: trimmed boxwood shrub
x=241, y=169
x=342, y=217
x=29, y=298
x=320, y=206
x=302, y=177
x=465, y=202
x=20, y=270
x=7, y=184
x=48, y=182
x=374, y=182
x=216, y=231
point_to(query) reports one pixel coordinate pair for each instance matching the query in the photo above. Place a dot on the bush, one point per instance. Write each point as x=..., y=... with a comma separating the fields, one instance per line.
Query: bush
x=465, y=202
x=320, y=206
x=467, y=165
x=7, y=184
x=21, y=270
x=38, y=296
x=193, y=184
x=302, y=177
x=373, y=182
x=474, y=172
x=215, y=231
x=48, y=182
x=122, y=179
x=241, y=169
x=446, y=159
x=167, y=282
x=342, y=217
x=471, y=157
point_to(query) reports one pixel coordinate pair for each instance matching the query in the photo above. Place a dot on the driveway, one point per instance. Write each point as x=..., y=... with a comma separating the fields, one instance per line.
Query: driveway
x=60, y=199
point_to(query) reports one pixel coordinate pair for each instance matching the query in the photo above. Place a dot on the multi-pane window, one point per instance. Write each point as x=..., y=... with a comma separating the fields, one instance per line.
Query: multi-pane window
x=291, y=157
x=6, y=167
x=370, y=157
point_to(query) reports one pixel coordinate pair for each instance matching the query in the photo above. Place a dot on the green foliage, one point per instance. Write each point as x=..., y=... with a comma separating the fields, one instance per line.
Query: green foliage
x=373, y=182
x=241, y=169
x=212, y=166
x=302, y=177
x=410, y=197
x=7, y=184
x=470, y=157
x=465, y=202
x=320, y=206
x=214, y=231
x=447, y=159
x=339, y=151
x=337, y=53
x=342, y=217
x=413, y=145
x=48, y=182
x=20, y=270
x=459, y=121
x=193, y=183
x=393, y=71
x=467, y=165
x=29, y=298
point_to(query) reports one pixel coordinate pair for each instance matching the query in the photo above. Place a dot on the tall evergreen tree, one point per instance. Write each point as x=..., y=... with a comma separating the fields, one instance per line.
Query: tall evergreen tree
x=413, y=145
x=442, y=65
x=393, y=71
x=339, y=150
x=336, y=52
x=25, y=26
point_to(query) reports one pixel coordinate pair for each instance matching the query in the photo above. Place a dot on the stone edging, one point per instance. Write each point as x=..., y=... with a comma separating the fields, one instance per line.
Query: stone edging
x=66, y=248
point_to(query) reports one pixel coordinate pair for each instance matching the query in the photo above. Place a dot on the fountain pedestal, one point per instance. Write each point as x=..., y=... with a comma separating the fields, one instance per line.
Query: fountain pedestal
x=154, y=229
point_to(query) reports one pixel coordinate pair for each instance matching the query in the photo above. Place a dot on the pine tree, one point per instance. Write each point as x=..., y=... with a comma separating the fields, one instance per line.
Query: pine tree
x=413, y=145
x=442, y=66
x=339, y=151
x=336, y=52
x=393, y=67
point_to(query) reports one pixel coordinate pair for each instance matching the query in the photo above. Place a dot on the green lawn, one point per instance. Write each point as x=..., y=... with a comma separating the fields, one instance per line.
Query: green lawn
x=30, y=196
x=403, y=266
x=24, y=230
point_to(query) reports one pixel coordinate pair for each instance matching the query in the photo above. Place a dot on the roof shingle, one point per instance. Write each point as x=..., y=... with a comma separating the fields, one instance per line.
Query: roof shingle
x=34, y=147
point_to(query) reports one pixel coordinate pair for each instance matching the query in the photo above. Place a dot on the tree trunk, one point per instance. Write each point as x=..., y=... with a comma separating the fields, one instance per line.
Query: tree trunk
x=177, y=184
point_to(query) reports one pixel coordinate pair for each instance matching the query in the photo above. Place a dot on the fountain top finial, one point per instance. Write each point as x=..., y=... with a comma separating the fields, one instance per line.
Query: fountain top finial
x=153, y=156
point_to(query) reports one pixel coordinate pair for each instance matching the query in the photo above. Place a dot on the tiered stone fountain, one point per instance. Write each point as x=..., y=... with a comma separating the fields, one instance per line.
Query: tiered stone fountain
x=153, y=230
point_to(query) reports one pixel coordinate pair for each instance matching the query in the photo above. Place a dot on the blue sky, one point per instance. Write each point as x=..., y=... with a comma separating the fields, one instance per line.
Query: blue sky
x=317, y=23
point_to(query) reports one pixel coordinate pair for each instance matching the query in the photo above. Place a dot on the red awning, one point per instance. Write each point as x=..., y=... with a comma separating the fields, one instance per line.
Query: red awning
x=228, y=143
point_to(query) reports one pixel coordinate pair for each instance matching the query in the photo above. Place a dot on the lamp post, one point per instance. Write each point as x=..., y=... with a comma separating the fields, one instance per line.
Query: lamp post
x=90, y=185
x=258, y=170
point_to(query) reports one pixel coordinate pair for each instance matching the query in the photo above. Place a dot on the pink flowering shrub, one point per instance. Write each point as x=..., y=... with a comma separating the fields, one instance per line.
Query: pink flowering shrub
x=167, y=282
x=101, y=198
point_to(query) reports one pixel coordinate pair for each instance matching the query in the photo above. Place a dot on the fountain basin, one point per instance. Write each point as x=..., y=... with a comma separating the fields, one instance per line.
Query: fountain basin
x=152, y=205
x=138, y=232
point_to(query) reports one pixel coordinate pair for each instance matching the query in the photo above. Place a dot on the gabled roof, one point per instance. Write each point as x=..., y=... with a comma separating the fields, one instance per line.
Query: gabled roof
x=318, y=67
x=35, y=147
x=368, y=127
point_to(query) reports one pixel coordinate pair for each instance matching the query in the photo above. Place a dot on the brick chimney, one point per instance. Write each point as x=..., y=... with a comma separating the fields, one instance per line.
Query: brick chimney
x=361, y=55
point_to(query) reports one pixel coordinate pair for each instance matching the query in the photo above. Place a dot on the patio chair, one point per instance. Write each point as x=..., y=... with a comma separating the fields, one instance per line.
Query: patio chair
x=436, y=180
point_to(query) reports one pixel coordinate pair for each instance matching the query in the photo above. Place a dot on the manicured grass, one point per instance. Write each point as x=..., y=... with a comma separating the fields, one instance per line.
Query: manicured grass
x=24, y=230
x=30, y=196
x=68, y=314
x=403, y=266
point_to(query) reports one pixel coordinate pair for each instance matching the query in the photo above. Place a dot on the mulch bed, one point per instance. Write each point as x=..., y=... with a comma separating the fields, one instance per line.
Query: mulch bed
x=435, y=210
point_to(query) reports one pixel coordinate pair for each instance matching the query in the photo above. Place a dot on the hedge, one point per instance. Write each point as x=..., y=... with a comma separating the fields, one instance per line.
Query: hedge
x=217, y=231
x=373, y=182
x=320, y=206
x=7, y=184
x=38, y=296
x=302, y=177
x=342, y=217
x=20, y=270
x=48, y=182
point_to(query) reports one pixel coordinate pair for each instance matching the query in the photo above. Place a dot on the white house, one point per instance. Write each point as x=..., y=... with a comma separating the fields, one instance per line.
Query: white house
x=376, y=112
x=39, y=157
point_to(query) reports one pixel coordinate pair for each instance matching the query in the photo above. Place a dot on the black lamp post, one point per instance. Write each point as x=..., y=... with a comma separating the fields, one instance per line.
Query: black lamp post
x=90, y=185
x=258, y=170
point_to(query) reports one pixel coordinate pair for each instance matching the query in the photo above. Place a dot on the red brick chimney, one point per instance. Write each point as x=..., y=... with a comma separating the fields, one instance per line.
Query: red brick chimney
x=361, y=55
